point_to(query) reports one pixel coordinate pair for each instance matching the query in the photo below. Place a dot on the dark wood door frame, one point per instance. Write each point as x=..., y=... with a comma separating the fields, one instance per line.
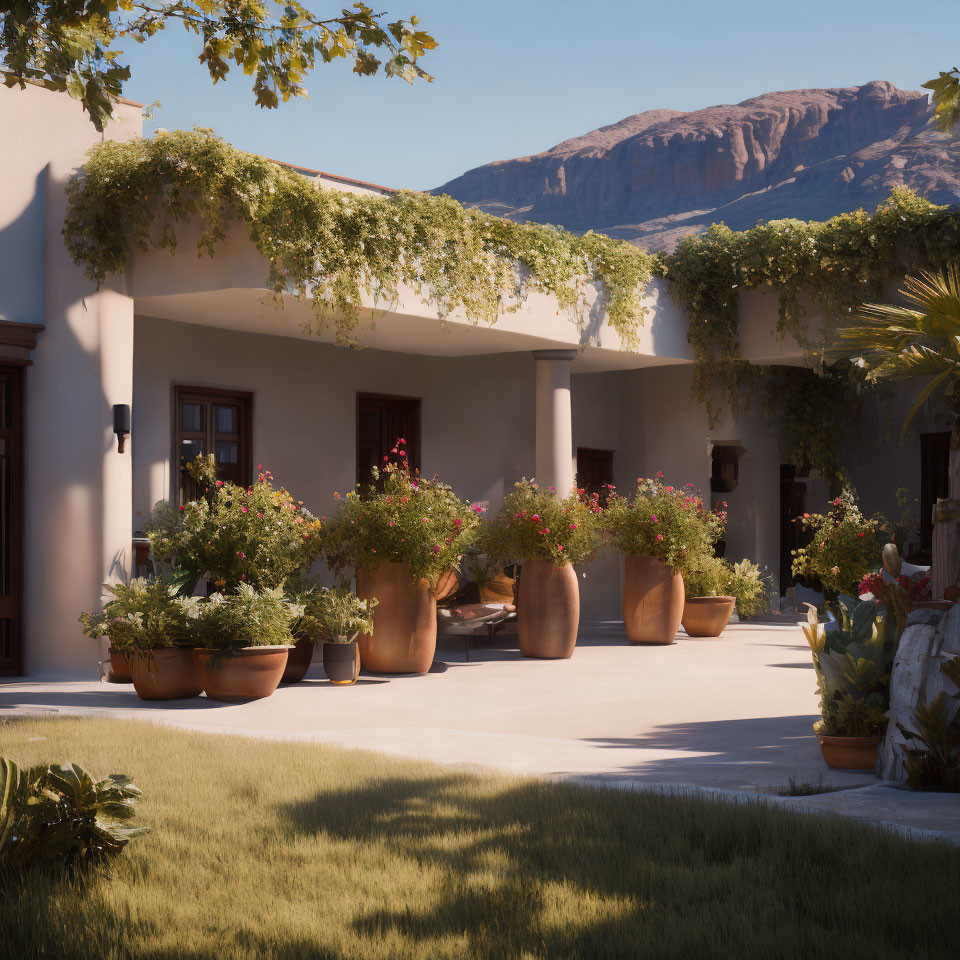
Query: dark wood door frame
x=409, y=407
x=11, y=520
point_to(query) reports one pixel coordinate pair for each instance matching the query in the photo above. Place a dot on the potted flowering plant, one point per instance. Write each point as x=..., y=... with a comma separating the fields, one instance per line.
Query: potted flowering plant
x=844, y=545
x=404, y=536
x=257, y=535
x=659, y=529
x=547, y=534
x=853, y=666
x=150, y=625
x=335, y=617
x=244, y=638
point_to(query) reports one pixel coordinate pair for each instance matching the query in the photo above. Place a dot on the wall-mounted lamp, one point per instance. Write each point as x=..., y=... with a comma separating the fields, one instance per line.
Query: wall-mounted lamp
x=121, y=424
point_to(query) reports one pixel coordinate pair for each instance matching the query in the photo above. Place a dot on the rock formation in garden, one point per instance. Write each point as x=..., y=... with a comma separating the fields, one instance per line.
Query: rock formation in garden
x=931, y=637
x=659, y=175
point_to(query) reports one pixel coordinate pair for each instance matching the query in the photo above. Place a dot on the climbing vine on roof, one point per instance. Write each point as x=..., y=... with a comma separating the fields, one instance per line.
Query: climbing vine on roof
x=838, y=264
x=330, y=248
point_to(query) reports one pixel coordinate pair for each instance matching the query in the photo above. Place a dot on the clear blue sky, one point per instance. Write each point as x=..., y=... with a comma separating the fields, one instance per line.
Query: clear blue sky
x=516, y=77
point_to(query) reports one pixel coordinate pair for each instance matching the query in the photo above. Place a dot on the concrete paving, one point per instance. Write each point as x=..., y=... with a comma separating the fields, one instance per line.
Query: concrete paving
x=730, y=716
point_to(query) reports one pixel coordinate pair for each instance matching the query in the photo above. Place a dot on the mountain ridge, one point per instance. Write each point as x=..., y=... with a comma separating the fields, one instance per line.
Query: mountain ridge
x=658, y=175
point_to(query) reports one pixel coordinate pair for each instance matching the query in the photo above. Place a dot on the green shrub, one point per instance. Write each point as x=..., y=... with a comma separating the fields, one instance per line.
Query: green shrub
x=666, y=522
x=60, y=814
x=536, y=524
x=231, y=535
x=332, y=614
x=749, y=586
x=845, y=546
x=408, y=519
x=246, y=618
x=853, y=669
x=705, y=576
x=143, y=615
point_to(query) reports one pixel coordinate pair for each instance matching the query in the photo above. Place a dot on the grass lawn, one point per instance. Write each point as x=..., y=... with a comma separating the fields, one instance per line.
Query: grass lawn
x=264, y=849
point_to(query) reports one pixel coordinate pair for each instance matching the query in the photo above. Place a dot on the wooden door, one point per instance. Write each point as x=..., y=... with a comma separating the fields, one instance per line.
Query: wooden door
x=11, y=521
x=934, y=483
x=381, y=421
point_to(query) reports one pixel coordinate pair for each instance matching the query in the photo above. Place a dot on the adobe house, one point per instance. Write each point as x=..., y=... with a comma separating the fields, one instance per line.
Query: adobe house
x=189, y=350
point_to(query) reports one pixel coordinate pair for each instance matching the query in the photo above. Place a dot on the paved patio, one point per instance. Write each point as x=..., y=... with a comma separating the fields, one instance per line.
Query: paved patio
x=727, y=715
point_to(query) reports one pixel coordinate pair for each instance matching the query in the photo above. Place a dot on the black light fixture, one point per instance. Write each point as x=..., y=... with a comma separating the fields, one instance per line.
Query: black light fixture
x=121, y=424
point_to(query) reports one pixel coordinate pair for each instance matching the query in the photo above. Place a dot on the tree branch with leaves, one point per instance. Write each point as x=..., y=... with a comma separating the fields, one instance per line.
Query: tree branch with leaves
x=72, y=45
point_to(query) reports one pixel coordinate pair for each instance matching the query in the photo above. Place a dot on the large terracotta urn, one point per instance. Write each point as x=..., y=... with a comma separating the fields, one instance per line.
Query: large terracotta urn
x=548, y=610
x=404, y=637
x=707, y=616
x=652, y=601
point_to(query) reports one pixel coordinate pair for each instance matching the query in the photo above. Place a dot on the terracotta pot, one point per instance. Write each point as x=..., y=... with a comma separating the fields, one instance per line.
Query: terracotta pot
x=446, y=584
x=298, y=662
x=849, y=753
x=249, y=673
x=119, y=668
x=707, y=616
x=652, y=600
x=166, y=673
x=548, y=610
x=404, y=637
x=341, y=662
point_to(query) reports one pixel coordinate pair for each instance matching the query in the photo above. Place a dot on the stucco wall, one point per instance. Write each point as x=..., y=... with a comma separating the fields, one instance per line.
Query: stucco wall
x=478, y=428
x=73, y=476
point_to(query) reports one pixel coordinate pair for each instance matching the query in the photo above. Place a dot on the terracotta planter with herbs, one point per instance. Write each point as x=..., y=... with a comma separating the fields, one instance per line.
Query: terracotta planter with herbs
x=341, y=661
x=707, y=616
x=299, y=660
x=404, y=638
x=166, y=673
x=548, y=610
x=652, y=601
x=250, y=673
x=120, y=670
x=849, y=753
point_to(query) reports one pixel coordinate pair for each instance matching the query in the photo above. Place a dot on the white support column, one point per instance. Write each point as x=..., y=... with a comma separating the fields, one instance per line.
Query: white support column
x=554, y=420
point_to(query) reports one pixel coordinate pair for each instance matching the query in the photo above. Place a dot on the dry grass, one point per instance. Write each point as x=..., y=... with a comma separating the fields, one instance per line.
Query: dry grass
x=264, y=849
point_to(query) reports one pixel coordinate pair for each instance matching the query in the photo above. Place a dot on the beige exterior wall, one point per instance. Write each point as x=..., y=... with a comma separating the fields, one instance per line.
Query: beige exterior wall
x=75, y=535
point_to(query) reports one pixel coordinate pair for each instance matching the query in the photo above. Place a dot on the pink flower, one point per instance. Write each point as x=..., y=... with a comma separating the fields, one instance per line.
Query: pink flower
x=668, y=489
x=423, y=519
x=436, y=548
x=860, y=534
x=659, y=474
x=653, y=517
x=392, y=524
x=243, y=510
x=536, y=516
x=659, y=537
x=458, y=522
x=573, y=526
x=560, y=547
x=219, y=483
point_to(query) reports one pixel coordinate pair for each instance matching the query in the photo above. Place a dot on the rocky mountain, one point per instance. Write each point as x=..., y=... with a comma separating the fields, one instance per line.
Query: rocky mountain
x=659, y=175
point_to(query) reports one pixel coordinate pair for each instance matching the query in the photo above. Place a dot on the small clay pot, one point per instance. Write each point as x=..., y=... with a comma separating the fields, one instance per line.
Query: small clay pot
x=548, y=610
x=298, y=663
x=166, y=673
x=249, y=673
x=404, y=637
x=341, y=662
x=652, y=601
x=849, y=753
x=120, y=671
x=707, y=616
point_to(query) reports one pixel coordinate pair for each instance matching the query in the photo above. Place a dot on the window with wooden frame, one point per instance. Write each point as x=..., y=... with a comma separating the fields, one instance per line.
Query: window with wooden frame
x=595, y=471
x=381, y=421
x=212, y=421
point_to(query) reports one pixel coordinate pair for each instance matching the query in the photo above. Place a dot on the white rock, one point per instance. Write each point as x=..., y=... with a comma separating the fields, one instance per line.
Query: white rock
x=916, y=678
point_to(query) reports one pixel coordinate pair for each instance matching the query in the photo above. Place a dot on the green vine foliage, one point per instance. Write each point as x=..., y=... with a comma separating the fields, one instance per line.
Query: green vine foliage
x=328, y=247
x=837, y=263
